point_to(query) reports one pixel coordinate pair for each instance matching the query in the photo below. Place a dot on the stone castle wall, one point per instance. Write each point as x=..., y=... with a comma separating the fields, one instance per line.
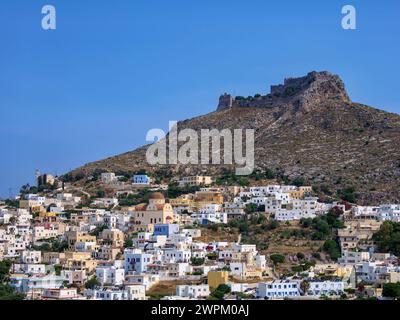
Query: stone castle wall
x=312, y=88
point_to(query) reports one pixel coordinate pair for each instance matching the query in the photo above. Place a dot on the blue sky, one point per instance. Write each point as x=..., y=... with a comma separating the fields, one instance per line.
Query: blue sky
x=115, y=69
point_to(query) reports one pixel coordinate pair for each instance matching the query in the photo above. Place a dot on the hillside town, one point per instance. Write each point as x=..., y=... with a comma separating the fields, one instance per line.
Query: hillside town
x=134, y=238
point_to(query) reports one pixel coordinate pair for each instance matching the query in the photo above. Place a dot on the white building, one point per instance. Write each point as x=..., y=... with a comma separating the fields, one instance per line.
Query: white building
x=325, y=288
x=364, y=211
x=176, y=255
x=353, y=257
x=29, y=268
x=60, y=294
x=36, y=283
x=278, y=289
x=234, y=210
x=211, y=213
x=135, y=292
x=287, y=215
x=110, y=275
x=193, y=291
x=136, y=260
x=108, y=177
x=105, y=202
x=5, y=216
x=31, y=256
x=389, y=212
x=131, y=292
x=41, y=232
x=370, y=272
x=147, y=280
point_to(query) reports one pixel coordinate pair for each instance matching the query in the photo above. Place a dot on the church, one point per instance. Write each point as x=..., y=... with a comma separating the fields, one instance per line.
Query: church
x=158, y=211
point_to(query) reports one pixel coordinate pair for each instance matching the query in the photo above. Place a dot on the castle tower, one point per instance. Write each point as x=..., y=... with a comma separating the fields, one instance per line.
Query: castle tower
x=37, y=177
x=225, y=102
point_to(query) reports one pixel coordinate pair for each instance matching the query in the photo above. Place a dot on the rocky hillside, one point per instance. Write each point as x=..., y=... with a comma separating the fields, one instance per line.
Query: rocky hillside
x=307, y=127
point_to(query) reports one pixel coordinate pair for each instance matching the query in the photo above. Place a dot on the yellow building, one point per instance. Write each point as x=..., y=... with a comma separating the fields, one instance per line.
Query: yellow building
x=195, y=181
x=216, y=278
x=53, y=257
x=113, y=237
x=300, y=192
x=182, y=201
x=78, y=236
x=33, y=205
x=44, y=214
x=74, y=255
x=107, y=253
x=157, y=211
x=89, y=265
x=389, y=277
x=203, y=198
x=79, y=261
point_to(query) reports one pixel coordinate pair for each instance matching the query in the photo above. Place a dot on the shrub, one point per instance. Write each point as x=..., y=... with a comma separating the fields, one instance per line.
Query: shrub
x=197, y=261
x=316, y=255
x=300, y=256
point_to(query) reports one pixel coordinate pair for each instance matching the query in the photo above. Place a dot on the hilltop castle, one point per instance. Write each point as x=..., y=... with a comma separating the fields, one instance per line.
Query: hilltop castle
x=312, y=88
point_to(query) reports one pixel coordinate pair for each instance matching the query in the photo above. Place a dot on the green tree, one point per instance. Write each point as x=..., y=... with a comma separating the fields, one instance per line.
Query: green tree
x=7, y=292
x=348, y=194
x=96, y=232
x=332, y=248
x=277, y=258
x=298, y=181
x=128, y=243
x=269, y=174
x=387, y=238
x=57, y=269
x=212, y=256
x=5, y=266
x=316, y=255
x=92, y=283
x=244, y=227
x=197, y=261
x=251, y=208
x=306, y=222
x=59, y=246
x=391, y=290
x=300, y=256
x=101, y=193
x=272, y=224
x=221, y=291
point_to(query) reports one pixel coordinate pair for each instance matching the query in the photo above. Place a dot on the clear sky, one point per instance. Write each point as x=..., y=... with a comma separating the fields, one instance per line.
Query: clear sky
x=115, y=69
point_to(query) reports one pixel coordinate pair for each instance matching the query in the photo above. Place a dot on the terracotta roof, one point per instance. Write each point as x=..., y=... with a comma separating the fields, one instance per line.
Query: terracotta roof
x=141, y=207
x=157, y=196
